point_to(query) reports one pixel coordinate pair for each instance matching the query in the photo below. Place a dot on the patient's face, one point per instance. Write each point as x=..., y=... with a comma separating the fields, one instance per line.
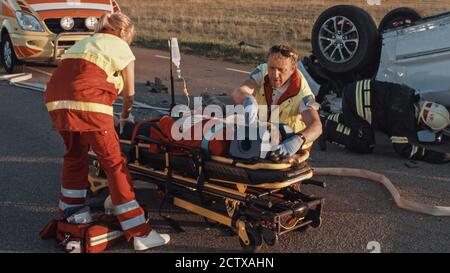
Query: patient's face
x=280, y=69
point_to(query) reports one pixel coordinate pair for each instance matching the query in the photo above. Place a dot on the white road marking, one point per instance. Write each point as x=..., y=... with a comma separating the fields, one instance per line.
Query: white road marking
x=40, y=71
x=237, y=70
x=35, y=160
x=162, y=57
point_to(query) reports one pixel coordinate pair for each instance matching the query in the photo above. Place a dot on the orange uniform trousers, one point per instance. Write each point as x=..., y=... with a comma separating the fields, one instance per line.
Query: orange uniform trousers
x=75, y=172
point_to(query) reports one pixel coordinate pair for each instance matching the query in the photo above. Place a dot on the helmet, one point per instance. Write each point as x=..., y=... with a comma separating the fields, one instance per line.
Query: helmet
x=434, y=115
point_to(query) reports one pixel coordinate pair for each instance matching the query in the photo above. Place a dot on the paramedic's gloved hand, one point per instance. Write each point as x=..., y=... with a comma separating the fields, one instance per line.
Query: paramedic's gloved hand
x=250, y=110
x=124, y=121
x=289, y=147
x=436, y=157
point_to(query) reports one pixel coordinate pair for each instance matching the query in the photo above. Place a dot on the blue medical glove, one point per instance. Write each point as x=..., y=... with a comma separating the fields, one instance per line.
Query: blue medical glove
x=250, y=110
x=289, y=147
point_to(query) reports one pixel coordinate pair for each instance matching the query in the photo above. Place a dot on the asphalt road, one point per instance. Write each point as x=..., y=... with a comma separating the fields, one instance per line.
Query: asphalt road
x=356, y=212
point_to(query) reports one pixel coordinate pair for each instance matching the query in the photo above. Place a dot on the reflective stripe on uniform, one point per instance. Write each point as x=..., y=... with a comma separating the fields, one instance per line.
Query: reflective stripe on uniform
x=336, y=117
x=358, y=99
x=399, y=140
x=347, y=131
x=121, y=209
x=367, y=84
x=341, y=128
x=104, y=238
x=132, y=223
x=413, y=151
x=367, y=103
x=63, y=206
x=80, y=106
x=73, y=193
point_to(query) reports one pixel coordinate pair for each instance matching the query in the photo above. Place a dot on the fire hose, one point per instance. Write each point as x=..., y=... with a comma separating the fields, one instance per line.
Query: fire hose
x=17, y=80
x=376, y=177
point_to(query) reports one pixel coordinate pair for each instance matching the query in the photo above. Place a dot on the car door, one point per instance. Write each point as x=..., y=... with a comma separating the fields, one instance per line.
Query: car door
x=419, y=56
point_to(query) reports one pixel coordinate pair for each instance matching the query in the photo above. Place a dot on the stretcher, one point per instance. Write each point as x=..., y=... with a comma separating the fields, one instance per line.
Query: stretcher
x=259, y=201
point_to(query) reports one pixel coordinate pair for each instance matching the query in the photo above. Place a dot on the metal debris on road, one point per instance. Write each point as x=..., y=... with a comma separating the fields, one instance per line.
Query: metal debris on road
x=157, y=86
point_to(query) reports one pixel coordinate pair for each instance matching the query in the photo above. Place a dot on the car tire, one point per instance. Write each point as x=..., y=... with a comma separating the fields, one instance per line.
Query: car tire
x=8, y=57
x=399, y=17
x=345, y=39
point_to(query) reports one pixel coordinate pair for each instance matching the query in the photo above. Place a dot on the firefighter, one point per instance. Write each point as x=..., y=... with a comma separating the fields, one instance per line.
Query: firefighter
x=277, y=92
x=394, y=109
x=79, y=98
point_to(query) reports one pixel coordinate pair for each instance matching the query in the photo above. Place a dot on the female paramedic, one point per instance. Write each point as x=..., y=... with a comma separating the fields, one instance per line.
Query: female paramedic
x=79, y=99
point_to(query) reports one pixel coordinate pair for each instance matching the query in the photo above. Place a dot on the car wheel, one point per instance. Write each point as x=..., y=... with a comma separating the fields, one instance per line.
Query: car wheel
x=8, y=56
x=399, y=17
x=345, y=39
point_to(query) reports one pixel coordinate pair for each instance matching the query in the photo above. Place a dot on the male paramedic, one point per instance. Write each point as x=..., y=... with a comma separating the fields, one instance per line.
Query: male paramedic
x=279, y=88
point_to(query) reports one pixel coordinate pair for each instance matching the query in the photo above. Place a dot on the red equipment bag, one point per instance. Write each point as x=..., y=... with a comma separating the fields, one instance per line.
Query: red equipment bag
x=95, y=237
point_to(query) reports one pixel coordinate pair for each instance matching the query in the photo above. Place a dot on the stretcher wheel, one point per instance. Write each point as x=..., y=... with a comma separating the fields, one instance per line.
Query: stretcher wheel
x=255, y=241
x=270, y=236
x=98, y=169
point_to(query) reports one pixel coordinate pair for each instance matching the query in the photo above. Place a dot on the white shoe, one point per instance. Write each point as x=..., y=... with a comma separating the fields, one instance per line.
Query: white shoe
x=108, y=205
x=154, y=239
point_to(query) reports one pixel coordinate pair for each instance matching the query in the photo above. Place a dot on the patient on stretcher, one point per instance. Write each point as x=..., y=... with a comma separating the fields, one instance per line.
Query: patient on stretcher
x=233, y=152
x=216, y=137
x=231, y=160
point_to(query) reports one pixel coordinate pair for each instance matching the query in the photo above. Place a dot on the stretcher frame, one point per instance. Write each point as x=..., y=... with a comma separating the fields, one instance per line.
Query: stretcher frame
x=257, y=213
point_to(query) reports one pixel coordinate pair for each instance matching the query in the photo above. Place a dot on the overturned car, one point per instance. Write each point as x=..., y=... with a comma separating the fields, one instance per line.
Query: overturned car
x=404, y=49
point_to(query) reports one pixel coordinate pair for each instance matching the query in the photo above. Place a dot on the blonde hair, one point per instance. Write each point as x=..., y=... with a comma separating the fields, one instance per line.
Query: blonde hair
x=117, y=22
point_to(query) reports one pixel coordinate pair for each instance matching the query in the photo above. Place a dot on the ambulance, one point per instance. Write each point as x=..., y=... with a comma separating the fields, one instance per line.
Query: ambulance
x=41, y=30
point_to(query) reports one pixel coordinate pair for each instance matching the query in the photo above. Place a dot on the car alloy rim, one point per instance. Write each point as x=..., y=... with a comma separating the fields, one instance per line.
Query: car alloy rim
x=338, y=39
x=8, y=54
